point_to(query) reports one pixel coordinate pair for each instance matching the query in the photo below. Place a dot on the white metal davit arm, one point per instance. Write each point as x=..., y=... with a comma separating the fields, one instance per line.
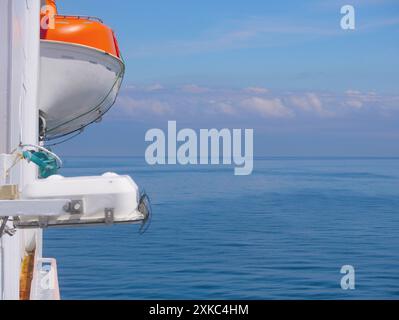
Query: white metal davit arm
x=29, y=208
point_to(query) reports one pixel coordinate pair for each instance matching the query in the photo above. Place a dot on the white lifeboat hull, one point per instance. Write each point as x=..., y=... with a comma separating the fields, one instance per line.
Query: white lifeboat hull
x=78, y=84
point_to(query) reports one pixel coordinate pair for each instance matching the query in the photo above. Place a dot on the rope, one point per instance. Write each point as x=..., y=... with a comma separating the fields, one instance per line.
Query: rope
x=3, y=225
x=18, y=158
x=65, y=140
x=146, y=201
x=4, y=229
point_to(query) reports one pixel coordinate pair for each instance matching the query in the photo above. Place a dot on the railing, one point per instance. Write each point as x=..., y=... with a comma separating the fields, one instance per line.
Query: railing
x=45, y=280
x=80, y=17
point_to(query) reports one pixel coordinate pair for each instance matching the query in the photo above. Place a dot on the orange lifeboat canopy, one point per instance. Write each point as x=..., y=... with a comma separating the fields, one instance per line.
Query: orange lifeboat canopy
x=87, y=31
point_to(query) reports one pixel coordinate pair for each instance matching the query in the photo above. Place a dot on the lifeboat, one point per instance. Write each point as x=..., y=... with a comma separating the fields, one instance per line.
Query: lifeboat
x=81, y=71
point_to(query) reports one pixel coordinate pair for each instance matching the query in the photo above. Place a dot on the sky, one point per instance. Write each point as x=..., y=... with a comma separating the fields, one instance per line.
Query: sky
x=284, y=68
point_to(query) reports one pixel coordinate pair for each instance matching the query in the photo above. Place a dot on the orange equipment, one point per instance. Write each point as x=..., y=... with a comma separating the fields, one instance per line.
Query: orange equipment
x=83, y=30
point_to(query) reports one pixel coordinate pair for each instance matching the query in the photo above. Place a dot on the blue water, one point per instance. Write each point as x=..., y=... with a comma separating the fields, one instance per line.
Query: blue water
x=282, y=233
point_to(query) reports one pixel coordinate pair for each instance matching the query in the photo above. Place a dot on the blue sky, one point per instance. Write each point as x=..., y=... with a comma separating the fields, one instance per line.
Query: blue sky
x=284, y=68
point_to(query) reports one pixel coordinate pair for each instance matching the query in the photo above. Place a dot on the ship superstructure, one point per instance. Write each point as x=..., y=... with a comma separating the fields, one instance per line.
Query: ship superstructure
x=58, y=74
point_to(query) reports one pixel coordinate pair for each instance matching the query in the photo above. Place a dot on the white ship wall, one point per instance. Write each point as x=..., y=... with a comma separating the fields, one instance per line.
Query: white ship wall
x=19, y=67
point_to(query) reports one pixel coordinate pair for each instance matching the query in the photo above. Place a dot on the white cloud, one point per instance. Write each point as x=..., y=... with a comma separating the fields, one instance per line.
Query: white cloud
x=251, y=32
x=225, y=108
x=269, y=108
x=193, y=102
x=257, y=90
x=193, y=88
x=130, y=87
x=154, y=87
x=357, y=104
x=133, y=107
x=309, y=102
x=357, y=99
x=143, y=88
x=351, y=92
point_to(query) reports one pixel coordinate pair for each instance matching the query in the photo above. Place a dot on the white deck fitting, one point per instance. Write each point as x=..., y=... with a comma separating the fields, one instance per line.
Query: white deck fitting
x=45, y=280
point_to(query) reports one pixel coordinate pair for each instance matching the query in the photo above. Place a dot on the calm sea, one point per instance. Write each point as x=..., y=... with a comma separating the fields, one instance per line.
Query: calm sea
x=282, y=233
